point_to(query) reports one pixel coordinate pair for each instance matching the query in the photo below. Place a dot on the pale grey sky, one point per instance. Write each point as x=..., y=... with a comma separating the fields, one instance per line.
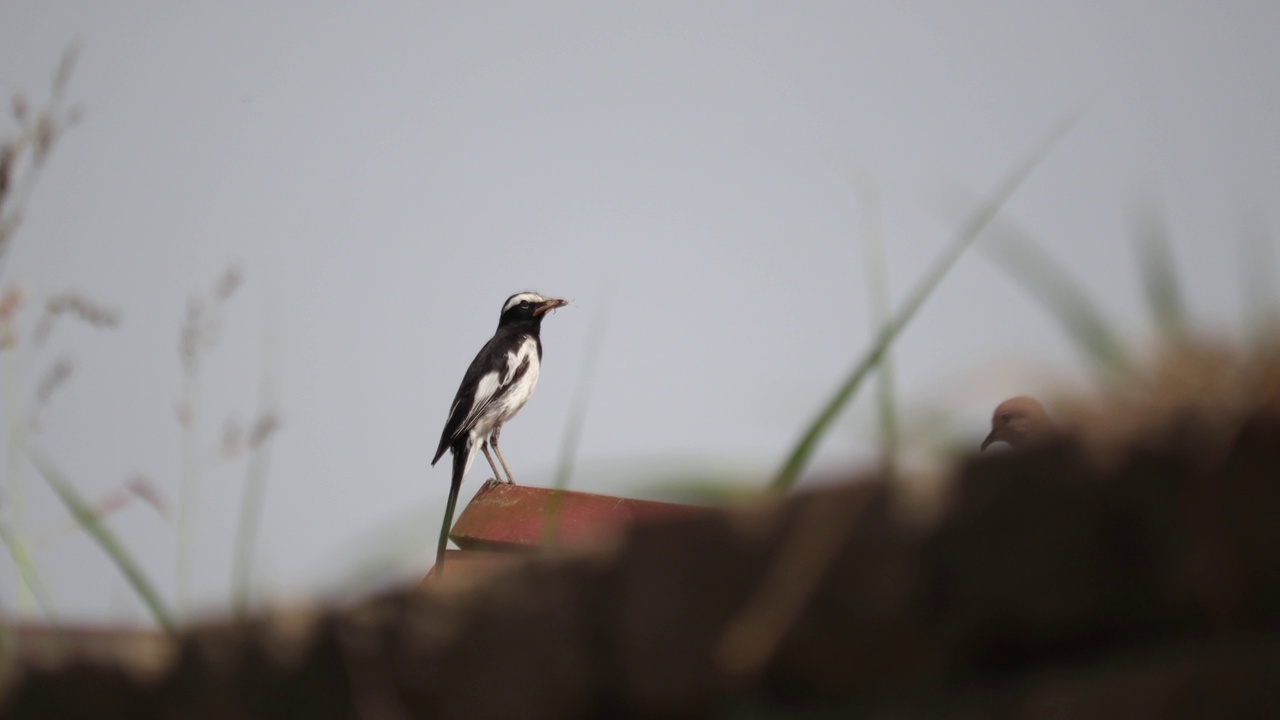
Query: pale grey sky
x=387, y=173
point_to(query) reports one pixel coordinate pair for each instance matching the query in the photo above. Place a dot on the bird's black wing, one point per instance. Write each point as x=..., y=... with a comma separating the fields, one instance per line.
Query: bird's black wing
x=486, y=379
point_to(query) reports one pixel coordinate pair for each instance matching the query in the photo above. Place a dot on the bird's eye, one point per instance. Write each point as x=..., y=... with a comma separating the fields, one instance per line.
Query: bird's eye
x=524, y=304
x=1004, y=417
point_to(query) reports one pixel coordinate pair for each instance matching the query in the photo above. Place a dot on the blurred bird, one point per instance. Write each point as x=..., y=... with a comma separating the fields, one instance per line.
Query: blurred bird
x=498, y=383
x=1019, y=421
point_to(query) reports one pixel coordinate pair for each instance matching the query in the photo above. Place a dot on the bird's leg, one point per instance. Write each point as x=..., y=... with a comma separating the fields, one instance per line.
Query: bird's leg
x=493, y=440
x=484, y=446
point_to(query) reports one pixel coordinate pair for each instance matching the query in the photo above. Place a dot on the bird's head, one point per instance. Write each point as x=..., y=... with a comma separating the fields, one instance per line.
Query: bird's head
x=525, y=306
x=1019, y=421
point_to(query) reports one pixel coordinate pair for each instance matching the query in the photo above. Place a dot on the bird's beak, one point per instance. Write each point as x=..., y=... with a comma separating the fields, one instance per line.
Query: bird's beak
x=549, y=305
x=994, y=436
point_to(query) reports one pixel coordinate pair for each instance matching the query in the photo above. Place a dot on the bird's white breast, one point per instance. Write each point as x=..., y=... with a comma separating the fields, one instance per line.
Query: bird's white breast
x=513, y=392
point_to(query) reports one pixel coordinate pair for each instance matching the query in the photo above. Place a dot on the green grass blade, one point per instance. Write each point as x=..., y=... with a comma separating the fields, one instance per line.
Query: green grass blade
x=878, y=289
x=573, y=428
x=247, y=534
x=255, y=484
x=27, y=570
x=1028, y=263
x=188, y=488
x=7, y=643
x=1159, y=275
x=83, y=512
x=17, y=510
x=969, y=231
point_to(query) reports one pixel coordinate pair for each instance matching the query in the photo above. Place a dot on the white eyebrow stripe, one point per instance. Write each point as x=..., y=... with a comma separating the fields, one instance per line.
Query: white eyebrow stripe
x=520, y=297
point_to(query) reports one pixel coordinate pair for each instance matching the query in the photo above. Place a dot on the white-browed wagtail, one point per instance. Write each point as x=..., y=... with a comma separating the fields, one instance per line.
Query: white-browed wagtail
x=497, y=384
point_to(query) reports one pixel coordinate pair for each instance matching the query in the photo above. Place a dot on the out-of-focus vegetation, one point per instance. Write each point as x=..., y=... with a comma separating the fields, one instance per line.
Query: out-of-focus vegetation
x=23, y=157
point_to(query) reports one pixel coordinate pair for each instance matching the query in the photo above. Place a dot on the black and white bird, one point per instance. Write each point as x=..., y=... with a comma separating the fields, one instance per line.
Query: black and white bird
x=498, y=383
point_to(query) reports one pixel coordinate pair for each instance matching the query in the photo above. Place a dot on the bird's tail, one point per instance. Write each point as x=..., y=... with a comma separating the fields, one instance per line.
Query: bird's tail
x=460, y=457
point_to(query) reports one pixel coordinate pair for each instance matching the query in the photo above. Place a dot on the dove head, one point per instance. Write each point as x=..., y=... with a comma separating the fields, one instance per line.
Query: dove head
x=1019, y=421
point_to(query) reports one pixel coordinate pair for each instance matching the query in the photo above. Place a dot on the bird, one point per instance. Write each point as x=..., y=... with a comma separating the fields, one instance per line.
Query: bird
x=1019, y=421
x=499, y=381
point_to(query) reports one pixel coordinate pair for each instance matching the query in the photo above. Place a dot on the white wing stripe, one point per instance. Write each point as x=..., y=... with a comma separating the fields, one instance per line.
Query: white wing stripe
x=482, y=411
x=485, y=390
